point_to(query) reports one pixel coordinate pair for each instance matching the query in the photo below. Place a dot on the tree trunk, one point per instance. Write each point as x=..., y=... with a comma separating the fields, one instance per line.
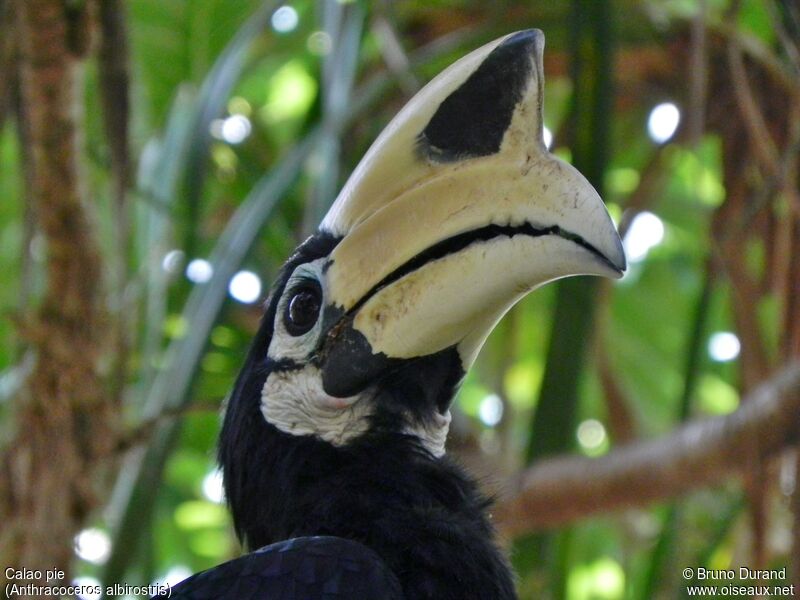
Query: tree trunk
x=64, y=425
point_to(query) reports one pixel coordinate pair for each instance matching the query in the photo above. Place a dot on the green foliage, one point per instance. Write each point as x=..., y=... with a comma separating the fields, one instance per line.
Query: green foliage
x=12, y=240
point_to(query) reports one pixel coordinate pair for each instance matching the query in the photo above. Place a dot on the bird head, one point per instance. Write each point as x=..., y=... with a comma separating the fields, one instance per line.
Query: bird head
x=456, y=212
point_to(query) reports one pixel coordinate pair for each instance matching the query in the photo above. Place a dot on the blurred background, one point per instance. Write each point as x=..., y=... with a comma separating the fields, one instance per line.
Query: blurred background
x=159, y=161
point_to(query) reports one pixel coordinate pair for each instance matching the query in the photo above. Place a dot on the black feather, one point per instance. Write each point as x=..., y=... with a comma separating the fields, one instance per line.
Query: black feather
x=324, y=568
x=421, y=514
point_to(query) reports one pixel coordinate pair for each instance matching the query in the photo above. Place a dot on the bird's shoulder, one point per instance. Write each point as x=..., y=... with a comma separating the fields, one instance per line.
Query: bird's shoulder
x=318, y=567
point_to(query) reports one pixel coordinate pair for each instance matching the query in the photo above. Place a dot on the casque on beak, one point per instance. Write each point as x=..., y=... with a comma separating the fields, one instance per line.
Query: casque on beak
x=456, y=212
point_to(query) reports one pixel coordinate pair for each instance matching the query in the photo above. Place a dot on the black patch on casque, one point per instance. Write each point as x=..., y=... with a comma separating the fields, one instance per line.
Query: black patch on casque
x=472, y=120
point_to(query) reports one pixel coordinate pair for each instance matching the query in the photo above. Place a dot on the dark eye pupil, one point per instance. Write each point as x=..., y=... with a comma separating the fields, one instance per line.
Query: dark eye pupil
x=302, y=311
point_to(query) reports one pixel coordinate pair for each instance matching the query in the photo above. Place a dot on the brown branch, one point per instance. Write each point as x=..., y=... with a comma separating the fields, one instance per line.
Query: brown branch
x=790, y=286
x=621, y=418
x=51, y=468
x=729, y=225
x=789, y=42
x=698, y=76
x=114, y=89
x=651, y=182
x=795, y=554
x=791, y=316
x=758, y=52
x=700, y=453
x=7, y=60
x=622, y=421
x=27, y=266
x=114, y=92
x=757, y=129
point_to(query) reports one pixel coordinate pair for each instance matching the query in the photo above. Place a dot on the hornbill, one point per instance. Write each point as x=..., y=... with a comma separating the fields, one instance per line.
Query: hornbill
x=333, y=442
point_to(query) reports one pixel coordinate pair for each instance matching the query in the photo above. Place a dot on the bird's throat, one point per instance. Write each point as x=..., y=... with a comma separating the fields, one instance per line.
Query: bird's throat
x=384, y=490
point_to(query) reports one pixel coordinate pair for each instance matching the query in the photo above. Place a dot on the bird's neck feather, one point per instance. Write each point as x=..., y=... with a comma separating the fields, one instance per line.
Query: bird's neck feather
x=422, y=514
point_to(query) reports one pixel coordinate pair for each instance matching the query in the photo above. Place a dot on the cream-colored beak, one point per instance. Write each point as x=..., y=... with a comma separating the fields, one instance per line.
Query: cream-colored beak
x=456, y=212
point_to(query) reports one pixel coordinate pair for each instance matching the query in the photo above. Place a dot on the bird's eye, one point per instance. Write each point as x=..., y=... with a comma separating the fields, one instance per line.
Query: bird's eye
x=302, y=309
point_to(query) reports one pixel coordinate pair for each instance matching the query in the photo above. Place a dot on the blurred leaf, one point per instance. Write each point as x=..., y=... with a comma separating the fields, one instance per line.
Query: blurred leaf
x=345, y=22
x=291, y=91
x=602, y=579
x=522, y=380
x=665, y=551
x=716, y=396
x=209, y=542
x=11, y=237
x=177, y=41
x=200, y=514
x=470, y=397
x=185, y=469
x=213, y=97
x=754, y=15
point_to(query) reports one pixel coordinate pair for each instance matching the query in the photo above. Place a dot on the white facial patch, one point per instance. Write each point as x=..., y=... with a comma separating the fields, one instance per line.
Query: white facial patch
x=294, y=402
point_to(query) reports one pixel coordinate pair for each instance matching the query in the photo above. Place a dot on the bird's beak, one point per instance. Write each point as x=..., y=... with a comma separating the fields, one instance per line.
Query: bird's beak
x=456, y=212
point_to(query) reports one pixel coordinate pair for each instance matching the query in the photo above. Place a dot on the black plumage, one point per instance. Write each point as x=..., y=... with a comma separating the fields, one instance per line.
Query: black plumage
x=421, y=514
x=327, y=568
